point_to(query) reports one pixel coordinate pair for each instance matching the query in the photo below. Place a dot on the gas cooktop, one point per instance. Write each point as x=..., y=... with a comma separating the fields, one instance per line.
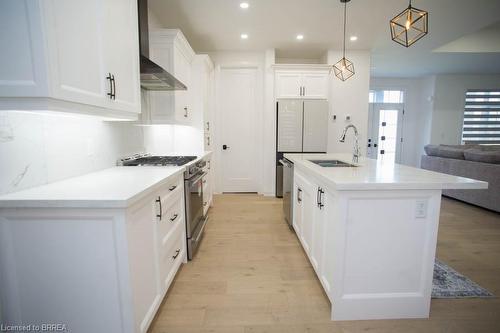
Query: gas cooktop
x=157, y=160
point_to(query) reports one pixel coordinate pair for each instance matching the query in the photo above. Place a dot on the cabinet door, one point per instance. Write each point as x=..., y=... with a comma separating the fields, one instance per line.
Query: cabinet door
x=315, y=85
x=319, y=232
x=297, y=208
x=22, y=70
x=75, y=51
x=288, y=85
x=306, y=211
x=121, y=47
x=182, y=71
x=143, y=258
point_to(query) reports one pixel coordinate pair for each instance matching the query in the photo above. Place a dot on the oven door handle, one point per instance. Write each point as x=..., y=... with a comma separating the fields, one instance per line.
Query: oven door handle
x=191, y=182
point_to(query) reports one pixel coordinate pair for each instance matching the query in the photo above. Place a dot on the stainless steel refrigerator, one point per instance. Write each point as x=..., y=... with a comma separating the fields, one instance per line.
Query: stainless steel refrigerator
x=302, y=128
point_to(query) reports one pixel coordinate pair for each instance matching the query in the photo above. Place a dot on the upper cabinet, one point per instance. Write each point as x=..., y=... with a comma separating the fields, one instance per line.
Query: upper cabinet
x=70, y=55
x=170, y=49
x=203, y=99
x=306, y=81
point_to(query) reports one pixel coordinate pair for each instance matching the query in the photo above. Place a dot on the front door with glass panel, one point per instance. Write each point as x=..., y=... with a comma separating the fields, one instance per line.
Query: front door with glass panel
x=385, y=131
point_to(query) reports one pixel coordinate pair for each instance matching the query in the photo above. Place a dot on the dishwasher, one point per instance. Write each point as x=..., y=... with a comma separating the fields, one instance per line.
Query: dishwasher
x=287, y=190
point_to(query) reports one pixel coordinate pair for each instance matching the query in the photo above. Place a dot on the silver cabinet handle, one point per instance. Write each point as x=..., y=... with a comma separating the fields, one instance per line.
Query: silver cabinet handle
x=172, y=188
x=176, y=253
x=303, y=91
x=185, y=112
x=299, y=195
x=174, y=217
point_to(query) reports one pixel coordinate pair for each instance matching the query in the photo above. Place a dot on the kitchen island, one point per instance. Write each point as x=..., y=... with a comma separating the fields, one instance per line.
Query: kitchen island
x=370, y=232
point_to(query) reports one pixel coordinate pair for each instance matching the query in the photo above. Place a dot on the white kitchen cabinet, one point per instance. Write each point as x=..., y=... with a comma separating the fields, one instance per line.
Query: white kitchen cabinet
x=315, y=85
x=203, y=96
x=208, y=185
x=304, y=212
x=70, y=56
x=100, y=269
x=306, y=82
x=170, y=49
x=313, y=206
x=288, y=85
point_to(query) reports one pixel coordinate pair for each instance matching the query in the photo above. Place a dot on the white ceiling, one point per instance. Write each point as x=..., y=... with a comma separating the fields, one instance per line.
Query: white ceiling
x=216, y=25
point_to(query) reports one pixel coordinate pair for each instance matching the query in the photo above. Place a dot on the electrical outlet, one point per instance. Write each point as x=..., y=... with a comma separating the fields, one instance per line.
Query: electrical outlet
x=421, y=209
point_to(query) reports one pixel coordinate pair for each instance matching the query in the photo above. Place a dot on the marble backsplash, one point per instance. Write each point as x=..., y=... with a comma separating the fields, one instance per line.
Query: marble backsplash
x=38, y=148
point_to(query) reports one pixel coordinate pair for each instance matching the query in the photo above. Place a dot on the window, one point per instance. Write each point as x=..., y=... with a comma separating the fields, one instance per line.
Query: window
x=386, y=96
x=482, y=117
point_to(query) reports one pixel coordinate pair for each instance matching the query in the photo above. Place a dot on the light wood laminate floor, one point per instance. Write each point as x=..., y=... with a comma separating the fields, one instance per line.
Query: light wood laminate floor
x=251, y=276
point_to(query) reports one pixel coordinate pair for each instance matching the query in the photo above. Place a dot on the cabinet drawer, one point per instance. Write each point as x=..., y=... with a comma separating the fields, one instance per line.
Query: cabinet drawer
x=170, y=218
x=171, y=191
x=172, y=254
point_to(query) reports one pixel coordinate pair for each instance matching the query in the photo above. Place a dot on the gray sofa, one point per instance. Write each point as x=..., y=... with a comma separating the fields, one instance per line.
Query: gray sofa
x=471, y=161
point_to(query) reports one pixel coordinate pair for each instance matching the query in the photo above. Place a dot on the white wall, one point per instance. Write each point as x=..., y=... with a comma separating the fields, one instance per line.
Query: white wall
x=449, y=103
x=37, y=148
x=349, y=98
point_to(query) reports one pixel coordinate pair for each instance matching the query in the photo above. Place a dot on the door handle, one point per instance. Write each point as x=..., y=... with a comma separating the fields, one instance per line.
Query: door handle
x=225, y=147
x=114, y=86
x=110, y=93
x=321, y=204
x=161, y=210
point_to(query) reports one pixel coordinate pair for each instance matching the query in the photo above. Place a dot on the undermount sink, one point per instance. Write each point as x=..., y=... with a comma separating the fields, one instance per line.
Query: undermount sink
x=332, y=163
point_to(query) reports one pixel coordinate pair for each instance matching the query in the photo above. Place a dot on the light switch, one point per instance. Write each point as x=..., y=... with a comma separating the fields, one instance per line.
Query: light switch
x=421, y=209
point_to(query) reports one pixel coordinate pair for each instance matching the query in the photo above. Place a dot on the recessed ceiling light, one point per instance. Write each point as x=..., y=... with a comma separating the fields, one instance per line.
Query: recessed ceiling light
x=300, y=37
x=244, y=36
x=244, y=5
x=354, y=38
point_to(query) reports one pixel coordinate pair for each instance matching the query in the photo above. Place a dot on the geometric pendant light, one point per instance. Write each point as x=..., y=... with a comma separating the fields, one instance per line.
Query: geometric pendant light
x=409, y=26
x=344, y=68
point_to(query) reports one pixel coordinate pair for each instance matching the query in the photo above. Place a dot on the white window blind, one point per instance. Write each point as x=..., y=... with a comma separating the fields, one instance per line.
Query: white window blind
x=482, y=116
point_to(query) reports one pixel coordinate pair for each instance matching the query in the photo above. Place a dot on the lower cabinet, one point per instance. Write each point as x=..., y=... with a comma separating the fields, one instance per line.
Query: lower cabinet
x=92, y=269
x=312, y=210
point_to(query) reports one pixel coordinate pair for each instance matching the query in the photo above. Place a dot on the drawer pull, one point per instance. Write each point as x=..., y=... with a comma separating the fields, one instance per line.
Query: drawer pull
x=172, y=188
x=204, y=204
x=174, y=217
x=161, y=210
x=176, y=254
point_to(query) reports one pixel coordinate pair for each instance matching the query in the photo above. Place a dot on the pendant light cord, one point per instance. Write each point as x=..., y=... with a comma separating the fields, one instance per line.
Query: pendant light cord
x=345, y=11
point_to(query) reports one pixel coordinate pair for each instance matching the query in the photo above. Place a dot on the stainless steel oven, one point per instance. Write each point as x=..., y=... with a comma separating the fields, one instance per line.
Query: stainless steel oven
x=195, y=221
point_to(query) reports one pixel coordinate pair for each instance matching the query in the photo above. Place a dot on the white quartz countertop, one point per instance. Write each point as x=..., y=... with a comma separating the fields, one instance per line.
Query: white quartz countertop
x=373, y=174
x=116, y=187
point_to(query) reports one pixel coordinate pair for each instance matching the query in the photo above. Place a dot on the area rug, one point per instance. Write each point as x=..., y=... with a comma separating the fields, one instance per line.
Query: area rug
x=448, y=283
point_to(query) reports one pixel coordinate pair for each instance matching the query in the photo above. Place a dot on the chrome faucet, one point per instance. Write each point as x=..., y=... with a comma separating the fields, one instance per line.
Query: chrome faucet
x=356, y=152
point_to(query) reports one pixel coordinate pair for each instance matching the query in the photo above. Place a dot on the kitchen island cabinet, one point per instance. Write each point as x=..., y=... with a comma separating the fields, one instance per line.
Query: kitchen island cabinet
x=96, y=253
x=370, y=232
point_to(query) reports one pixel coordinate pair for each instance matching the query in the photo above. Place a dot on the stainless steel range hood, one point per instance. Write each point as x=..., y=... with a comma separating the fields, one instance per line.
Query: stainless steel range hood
x=153, y=76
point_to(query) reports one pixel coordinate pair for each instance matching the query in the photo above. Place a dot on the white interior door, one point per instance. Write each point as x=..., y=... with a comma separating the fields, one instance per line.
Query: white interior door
x=238, y=135
x=385, y=131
